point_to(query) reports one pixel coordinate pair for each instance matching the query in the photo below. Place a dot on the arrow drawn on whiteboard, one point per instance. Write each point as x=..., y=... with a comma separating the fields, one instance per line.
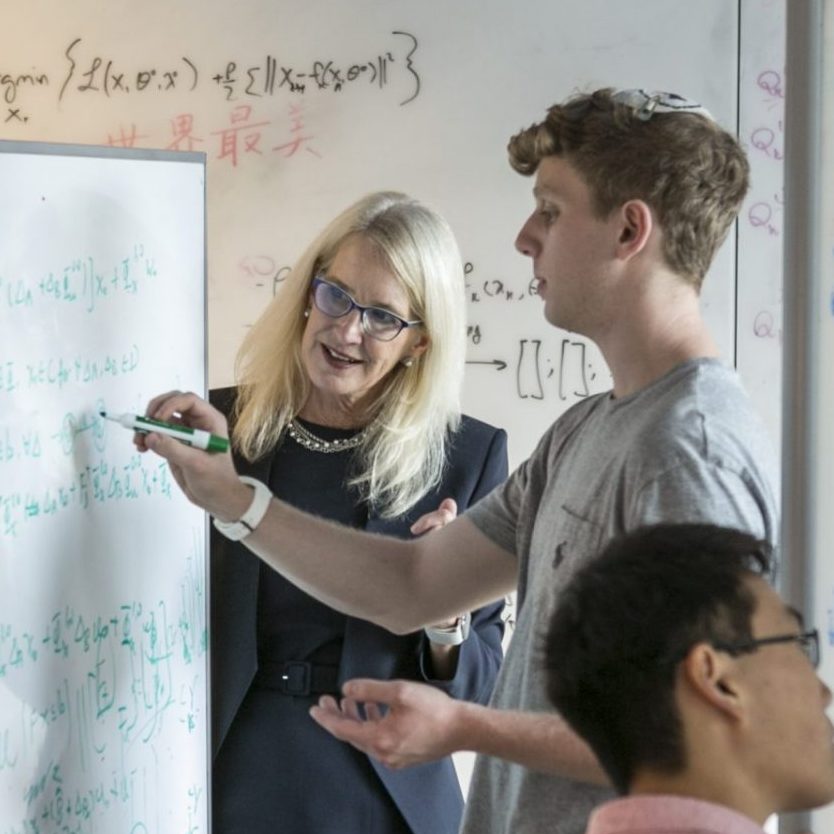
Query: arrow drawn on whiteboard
x=499, y=363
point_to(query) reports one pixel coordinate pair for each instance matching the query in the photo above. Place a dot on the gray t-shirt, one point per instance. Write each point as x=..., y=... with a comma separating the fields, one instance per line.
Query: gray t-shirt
x=687, y=448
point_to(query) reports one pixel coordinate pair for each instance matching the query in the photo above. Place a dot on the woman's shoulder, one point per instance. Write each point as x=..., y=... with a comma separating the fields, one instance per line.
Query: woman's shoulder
x=473, y=427
x=473, y=434
x=223, y=399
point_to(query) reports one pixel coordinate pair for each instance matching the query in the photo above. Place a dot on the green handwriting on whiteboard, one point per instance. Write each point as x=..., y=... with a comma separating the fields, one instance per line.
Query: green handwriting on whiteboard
x=117, y=681
x=95, y=484
x=82, y=283
x=60, y=371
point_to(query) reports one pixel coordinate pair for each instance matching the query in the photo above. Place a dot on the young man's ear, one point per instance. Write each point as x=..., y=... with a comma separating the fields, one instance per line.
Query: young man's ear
x=636, y=225
x=713, y=678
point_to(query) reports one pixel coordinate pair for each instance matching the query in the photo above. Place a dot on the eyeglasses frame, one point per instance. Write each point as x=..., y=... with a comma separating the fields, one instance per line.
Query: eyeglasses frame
x=319, y=279
x=809, y=641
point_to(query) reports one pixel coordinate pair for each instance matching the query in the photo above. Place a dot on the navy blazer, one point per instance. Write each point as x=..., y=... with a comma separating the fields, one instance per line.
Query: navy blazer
x=428, y=795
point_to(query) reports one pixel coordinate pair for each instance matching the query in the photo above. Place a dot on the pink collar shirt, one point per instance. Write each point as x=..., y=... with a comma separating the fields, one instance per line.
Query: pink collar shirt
x=662, y=814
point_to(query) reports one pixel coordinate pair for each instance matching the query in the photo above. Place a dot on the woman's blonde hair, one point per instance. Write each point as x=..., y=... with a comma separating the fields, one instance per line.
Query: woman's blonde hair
x=403, y=454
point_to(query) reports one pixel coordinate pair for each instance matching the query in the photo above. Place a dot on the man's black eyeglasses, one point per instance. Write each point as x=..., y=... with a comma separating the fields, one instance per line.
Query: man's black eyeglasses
x=809, y=642
x=333, y=301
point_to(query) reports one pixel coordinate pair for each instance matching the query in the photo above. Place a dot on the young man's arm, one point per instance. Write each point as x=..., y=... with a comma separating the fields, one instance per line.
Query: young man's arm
x=400, y=585
x=407, y=723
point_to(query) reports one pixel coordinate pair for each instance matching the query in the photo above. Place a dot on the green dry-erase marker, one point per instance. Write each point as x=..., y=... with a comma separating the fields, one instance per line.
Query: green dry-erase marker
x=193, y=437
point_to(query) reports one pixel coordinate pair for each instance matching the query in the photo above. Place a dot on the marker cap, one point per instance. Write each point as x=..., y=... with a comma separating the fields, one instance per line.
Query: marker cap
x=217, y=444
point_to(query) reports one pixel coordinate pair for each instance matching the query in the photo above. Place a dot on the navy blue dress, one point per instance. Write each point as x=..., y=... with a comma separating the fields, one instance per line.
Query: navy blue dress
x=276, y=770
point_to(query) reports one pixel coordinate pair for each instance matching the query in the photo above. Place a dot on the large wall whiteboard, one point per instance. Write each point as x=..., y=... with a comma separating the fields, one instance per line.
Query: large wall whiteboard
x=761, y=224
x=301, y=106
x=103, y=641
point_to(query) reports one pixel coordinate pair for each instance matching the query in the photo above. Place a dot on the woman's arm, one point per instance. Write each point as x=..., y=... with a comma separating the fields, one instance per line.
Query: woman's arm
x=469, y=670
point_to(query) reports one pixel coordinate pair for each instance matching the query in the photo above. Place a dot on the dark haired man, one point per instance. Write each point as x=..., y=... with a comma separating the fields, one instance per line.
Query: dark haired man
x=692, y=682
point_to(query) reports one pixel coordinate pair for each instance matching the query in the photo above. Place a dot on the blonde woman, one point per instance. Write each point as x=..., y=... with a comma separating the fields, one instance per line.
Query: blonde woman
x=348, y=407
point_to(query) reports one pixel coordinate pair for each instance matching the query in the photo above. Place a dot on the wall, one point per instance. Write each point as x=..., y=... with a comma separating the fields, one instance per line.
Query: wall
x=302, y=107
x=760, y=229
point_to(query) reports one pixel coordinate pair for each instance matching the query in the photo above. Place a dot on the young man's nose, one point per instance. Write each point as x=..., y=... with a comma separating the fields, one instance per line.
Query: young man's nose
x=525, y=241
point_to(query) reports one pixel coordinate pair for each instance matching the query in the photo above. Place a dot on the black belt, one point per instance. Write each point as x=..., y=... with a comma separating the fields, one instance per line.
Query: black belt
x=297, y=677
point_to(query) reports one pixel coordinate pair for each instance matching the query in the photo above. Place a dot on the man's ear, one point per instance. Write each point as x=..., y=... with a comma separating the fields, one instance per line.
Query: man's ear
x=636, y=223
x=713, y=677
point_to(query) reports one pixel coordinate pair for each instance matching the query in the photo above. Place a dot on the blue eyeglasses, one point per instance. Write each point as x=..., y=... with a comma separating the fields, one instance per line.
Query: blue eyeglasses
x=333, y=301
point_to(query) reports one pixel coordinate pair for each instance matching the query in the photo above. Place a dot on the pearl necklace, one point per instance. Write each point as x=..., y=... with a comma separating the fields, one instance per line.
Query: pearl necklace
x=304, y=437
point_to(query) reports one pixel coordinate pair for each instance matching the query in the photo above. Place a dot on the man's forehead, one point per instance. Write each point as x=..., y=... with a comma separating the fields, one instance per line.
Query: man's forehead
x=545, y=189
x=770, y=607
x=555, y=176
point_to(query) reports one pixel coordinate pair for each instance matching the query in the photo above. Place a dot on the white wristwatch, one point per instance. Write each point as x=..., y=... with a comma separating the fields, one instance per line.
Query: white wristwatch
x=452, y=635
x=237, y=530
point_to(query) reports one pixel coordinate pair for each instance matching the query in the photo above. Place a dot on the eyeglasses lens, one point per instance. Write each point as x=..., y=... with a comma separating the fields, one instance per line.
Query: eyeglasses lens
x=331, y=300
x=335, y=302
x=809, y=643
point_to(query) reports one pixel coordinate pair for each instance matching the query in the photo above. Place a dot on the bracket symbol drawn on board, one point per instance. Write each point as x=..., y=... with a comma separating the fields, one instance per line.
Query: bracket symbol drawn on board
x=528, y=373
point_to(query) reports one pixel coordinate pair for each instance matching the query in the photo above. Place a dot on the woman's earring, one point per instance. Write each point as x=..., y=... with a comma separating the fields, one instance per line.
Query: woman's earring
x=407, y=362
x=307, y=313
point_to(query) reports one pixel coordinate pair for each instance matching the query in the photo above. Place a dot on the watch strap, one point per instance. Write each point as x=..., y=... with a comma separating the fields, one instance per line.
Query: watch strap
x=246, y=524
x=452, y=635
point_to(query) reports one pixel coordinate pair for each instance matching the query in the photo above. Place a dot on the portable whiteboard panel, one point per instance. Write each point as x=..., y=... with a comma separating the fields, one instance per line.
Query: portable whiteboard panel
x=103, y=638
x=303, y=106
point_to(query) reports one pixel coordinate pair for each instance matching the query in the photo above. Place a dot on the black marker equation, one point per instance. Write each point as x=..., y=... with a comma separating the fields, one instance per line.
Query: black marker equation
x=574, y=373
x=91, y=71
x=102, y=75
x=569, y=368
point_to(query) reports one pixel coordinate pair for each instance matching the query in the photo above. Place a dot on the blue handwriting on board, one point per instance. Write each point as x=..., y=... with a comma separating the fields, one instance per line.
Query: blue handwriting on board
x=118, y=679
x=81, y=282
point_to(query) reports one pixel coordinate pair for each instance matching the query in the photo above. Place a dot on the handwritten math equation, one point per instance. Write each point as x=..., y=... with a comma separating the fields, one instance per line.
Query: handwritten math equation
x=122, y=682
x=60, y=370
x=766, y=146
x=81, y=283
x=96, y=483
x=88, y=71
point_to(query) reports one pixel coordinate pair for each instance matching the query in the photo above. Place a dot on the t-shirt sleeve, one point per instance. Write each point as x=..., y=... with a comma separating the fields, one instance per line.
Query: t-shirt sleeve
x=507, y=514
x=705, y=491
x=496, y=515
